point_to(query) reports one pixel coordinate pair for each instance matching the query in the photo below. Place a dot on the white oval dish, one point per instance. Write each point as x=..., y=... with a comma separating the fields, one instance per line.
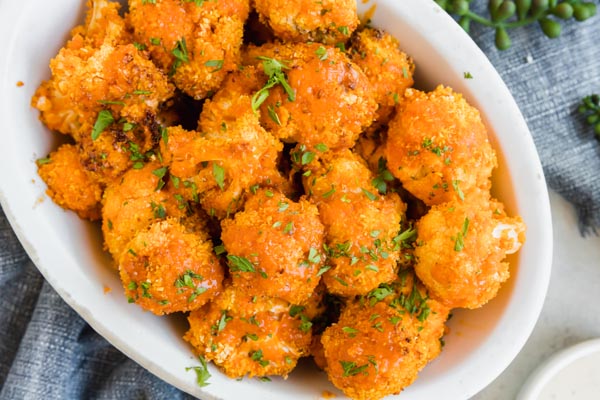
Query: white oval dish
x=570, y=374
x=69, y=253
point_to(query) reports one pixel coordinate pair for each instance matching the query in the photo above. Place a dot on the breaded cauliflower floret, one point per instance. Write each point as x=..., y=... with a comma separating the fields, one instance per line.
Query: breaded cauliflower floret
x=250, y=336
x=168, y=269
x=131, y=204
x=196, y=43
x=332, y=99
x=361, y=224
x=461, y=250
x=231, y=154
x=438, y=146
x=381, y=342
x=389, y=70
x=70, y=185
x=324, y=21
x=103, y=24
x=275, y=247
x=90, y=76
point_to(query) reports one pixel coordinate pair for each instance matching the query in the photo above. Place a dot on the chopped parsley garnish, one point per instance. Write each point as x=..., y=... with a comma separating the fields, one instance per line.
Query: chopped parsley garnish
x=459, y=243
x=258, y=357
x=215, y=64
x=180, y=53
x=313, y=256
x=321, y=52
x=42, y=161
x=350, y=368
x=323, y=269
x=202, y=373
x=369, y=195
x=273, y=115
x=239, y=264
x=160, y=173
x=322, y=147
x=274, y=70
x=350, y=331
x=344, y=30
x=384, y=290
x=383, y=176
x=282, y=206
x=164, y=134
x=250, y=336
x=296, y=310
x=307, y=157
x=158, y=210
x=458, y=190
x=219, y=174
x=104, y=120
x=468, y=75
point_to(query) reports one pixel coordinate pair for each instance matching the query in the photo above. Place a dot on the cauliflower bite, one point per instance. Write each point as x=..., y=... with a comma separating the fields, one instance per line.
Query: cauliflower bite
x=275, y=247
x=383, y=340
x=361, y=224
x=168, y=269
x=438, y=147
x=324, y=21
x=389, y=70
x=461, y=247
x=91, y=87
x=319, y=95
x=231, y=155
x=196, y=42
x=70, y=185
x=247, y=335
x=132, y=203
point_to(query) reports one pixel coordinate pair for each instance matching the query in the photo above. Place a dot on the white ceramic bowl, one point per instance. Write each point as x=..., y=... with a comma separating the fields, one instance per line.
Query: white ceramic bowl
x=69, y=253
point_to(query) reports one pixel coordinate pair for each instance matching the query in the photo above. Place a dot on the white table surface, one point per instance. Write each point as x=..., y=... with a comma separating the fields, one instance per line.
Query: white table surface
x=571, y=312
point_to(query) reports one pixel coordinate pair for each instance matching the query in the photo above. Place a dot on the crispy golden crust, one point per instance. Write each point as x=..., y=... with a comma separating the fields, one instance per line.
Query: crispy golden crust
x=438, y=146
x=231, y=154
x=70, y=185
x=130, y=205
x=333, y=100
x=361, y=224
x=324, y=21
x=389, y=70
x=99, y=70
x=461, y=250
x=250, y=336
x=166, y=269
x=383, y=340
x=282, y=240
x=197, y=45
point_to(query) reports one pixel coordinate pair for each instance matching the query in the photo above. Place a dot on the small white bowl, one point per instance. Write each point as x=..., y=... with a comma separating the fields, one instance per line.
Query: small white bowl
x=69, y=252
x=570, y=374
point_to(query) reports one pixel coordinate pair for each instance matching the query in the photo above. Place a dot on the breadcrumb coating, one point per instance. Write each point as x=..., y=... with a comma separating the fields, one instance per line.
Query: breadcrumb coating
x=251, y=336
x=461, y=250
x=438, y=146
x=70, y=185
x=333, y=100
x=389, y=70
x=324, y=21
x=196, y=43
x=275, y=247
x=167, y=269
x=360, y=223
x=383, y=339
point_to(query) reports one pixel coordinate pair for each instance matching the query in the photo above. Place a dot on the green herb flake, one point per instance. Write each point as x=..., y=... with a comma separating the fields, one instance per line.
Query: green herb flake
x=273, y=115
x=274, y=70
x=215, y=64
x=202, y=374
x=321, y=52
x=219, y=175
x=160, y=173
x=258, y=357
x=239, y=264
x=180, y=53
x=467, y=75
x=369, y=195
x=457, y=189
x=104, y=120
x=350, y=331
x=350, y=368
x=323, y=269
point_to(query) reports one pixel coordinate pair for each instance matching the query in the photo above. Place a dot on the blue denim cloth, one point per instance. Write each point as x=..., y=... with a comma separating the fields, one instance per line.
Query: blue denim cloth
x=47, y=351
